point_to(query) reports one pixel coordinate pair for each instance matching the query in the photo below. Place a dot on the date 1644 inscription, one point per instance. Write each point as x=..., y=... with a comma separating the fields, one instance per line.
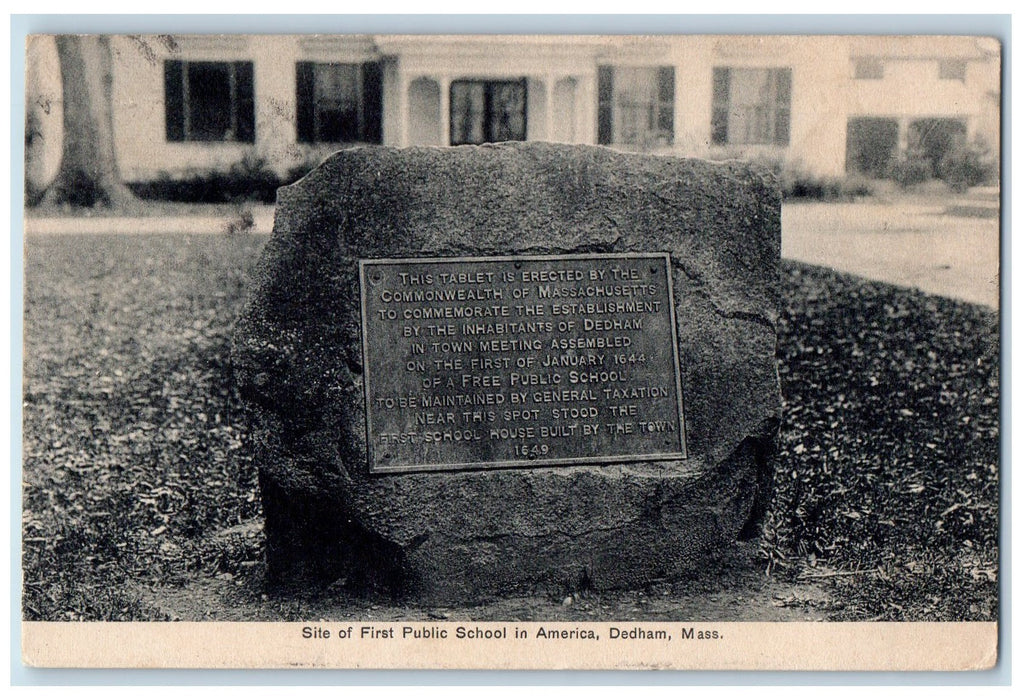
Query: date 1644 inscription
x=482, y=363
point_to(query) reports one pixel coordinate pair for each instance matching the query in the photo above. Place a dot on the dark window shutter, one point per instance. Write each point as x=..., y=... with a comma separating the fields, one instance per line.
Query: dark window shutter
x=721, y=104
x=305, y=101
x=782, y=126
x=372, y=102
x=605, y=104
x=665, y=95
x=173, y=96
x=244, y=101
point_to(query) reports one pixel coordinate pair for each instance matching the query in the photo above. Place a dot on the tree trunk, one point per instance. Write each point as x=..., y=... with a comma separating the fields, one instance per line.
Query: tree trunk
x=88, y=174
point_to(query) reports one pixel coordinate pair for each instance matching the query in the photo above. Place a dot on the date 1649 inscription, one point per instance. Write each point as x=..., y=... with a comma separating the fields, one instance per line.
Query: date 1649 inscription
x=483, y=363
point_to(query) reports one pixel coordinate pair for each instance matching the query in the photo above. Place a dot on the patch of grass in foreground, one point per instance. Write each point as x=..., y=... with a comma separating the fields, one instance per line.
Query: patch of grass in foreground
x=132, y=431
x=887, y=477
x=134, y=437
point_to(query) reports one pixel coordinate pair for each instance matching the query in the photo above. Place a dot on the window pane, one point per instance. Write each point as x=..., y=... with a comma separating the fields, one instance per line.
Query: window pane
x=507, y=112
x=869, y=69
x=871, y=146
x=751, y=116
x=487, y=111
x=636, y=101
x=953, y=70
x=209, y=102
x=467, y=112
x=336, y=94
x=935, y=138
x=759, y=107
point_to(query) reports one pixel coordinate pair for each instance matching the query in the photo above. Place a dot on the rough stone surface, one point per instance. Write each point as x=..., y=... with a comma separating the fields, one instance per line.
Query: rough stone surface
x=463, y=536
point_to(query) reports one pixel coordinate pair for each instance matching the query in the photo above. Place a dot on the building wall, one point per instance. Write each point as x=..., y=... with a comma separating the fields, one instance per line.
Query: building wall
x=817, y=119
x=562, y=103
x=139, y=125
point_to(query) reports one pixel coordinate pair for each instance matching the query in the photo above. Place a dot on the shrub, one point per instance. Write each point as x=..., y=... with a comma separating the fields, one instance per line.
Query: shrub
x=911, y=170
x=247, y=180
x=797, y=183
x=299, y=171
x=261, y=181
x=857, y=186
x=967, y=166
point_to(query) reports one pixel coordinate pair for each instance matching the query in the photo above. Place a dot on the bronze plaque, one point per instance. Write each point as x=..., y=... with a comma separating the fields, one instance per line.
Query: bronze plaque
x=484, y=363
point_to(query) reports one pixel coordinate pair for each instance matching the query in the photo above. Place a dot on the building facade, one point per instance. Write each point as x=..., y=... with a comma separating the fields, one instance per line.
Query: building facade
x=829, y=105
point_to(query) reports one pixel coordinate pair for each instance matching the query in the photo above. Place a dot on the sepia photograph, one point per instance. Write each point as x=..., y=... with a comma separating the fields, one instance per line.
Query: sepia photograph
x=512, y=350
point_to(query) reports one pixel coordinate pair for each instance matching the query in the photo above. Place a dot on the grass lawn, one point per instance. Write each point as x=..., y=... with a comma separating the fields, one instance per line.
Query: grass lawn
x=138, y=484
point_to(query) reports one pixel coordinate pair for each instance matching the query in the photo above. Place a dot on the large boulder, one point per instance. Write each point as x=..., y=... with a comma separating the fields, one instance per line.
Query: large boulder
x=458, y=536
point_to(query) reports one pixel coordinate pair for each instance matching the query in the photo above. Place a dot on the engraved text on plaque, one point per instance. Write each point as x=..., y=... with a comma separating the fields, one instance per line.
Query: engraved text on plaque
x=481, y=363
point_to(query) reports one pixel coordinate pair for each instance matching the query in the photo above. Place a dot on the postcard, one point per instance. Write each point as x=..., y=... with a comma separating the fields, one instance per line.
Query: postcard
x=511, y=351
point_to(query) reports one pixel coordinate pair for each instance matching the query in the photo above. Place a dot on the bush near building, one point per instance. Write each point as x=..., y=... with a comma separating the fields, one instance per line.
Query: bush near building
x=252, y=180
x=968, y=166
x=961, y=167
x=798, y=182
x=249, y=180
x=911, y=169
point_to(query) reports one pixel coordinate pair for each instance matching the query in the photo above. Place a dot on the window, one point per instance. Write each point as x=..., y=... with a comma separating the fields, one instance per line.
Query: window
x=871, y=145
x=935, y=138
x=339, y=102
x=487, y=111
x=952, y=69
x=209, y=101
x=636, y=106
x=751, y=106
x=869, y=69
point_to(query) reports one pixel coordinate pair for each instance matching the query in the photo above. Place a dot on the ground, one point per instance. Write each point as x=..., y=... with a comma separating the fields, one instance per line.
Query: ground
x=140, y=498
x=942, y=245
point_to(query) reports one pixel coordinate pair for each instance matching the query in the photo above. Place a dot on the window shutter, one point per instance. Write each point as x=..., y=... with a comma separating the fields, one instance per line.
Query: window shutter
x=305, y=101
x=372, y=102
x=173, y=96
x=244, y=101
x=782, y=125
x=665, y=96
x=721, y=105
x=605, y=105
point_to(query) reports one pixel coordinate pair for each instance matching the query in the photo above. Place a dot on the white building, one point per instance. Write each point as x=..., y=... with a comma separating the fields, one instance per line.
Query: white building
x=827, y=104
